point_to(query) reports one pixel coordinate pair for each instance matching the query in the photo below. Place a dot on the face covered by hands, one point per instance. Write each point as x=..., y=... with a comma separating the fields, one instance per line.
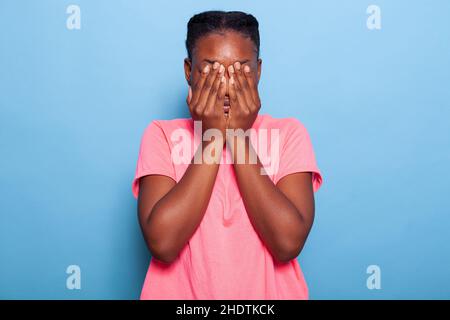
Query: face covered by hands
x=225, y=98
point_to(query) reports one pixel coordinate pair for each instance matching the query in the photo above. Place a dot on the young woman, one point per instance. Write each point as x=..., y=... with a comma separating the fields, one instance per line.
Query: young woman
x=225, y=229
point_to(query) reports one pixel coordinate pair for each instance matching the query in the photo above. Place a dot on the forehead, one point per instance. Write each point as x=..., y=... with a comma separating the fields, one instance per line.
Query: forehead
x=225, y=47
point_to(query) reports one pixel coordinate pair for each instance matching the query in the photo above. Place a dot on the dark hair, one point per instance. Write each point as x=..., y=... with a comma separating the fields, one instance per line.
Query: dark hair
x=218, y=21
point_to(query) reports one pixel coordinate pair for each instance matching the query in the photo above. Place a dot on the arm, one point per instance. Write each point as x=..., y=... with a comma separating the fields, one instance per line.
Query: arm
x=170, y=212
x=282, y=214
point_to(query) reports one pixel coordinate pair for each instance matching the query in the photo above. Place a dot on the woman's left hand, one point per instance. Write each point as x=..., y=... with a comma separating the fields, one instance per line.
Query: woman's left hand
x=244, y=97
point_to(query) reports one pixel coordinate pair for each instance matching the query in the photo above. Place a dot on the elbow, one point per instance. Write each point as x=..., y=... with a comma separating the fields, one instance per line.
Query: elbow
x=166, y=259
x=163, y=253
x=288, y=252
x=162, y=250
x=161, y=245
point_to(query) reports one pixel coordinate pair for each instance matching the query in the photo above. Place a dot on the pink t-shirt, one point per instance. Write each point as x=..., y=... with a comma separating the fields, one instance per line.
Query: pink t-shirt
x=225, y=258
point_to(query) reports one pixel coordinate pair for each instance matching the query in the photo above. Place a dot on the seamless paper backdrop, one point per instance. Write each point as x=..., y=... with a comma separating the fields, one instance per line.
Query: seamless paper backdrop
x=74, y=104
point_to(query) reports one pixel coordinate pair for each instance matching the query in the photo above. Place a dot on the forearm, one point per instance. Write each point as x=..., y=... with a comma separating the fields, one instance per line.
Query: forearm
x=275, y=218
x=175, y=217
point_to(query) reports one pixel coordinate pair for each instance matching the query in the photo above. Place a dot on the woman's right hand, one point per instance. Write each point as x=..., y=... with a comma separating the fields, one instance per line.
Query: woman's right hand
x=206, y=98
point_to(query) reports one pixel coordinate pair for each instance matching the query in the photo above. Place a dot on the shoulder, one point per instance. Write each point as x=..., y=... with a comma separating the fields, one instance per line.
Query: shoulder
x=166, y=127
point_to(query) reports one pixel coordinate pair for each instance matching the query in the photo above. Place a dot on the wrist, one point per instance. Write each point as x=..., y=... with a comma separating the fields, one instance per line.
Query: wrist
x=240, y=148
x=208, y=152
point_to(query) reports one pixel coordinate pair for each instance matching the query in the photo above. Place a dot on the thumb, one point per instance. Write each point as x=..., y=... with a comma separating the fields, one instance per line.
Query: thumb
x=189, y=95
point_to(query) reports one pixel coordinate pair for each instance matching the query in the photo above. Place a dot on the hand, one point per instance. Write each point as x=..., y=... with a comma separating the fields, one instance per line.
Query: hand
x=206, y=98
x=244, y=97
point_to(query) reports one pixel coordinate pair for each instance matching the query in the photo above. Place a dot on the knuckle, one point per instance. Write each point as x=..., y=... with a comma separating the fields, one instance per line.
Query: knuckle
x=207, y=113
x=196, y=109
x=207, y=85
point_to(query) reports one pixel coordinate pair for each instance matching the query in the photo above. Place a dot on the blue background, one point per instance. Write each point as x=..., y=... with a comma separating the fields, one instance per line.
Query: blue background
x=74, y=104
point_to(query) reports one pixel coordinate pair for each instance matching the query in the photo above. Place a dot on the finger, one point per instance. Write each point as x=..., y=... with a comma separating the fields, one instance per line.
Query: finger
x=212, y=98
x=253, y=86
x=221, y=95
x=189, y=97
x=222, y=91
x=232, y=87
x=242, y=102
x=198, y=85
x=241, y=80
x=203, y=99
x=240, y=93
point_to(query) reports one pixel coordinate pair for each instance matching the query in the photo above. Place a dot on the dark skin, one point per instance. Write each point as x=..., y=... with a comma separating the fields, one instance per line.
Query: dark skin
x=225, y=66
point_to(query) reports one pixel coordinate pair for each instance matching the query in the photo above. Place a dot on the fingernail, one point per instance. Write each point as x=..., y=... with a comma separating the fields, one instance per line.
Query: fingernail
x=206, y=69
x=222, y=68
x=237, y=65
x=247, y=69
x=215, y=65
x=230, y=69
x=190, y=92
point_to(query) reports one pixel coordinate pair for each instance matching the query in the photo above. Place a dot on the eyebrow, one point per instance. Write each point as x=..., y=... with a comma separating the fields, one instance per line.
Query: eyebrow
x=212, y=61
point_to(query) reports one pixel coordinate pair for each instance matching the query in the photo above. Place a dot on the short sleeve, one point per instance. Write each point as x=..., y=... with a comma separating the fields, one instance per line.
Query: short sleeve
x=297, y=154
x=154, y=156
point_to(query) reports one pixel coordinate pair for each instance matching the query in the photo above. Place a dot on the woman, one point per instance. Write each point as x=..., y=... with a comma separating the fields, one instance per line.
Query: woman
x=218, y=228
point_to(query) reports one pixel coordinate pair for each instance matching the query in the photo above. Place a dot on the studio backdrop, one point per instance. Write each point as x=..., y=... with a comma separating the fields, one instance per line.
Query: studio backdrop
x=80, y=80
